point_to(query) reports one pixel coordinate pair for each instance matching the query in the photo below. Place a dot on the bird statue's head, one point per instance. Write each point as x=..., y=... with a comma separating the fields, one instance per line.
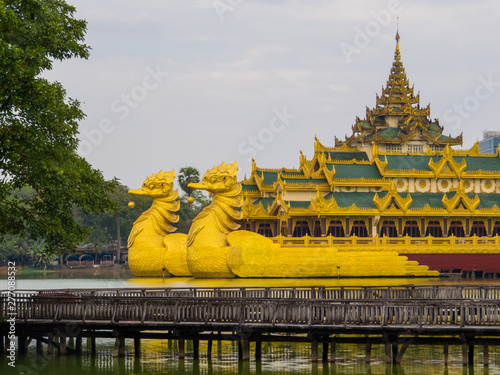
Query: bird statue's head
x=158, y=185
x=219, y=179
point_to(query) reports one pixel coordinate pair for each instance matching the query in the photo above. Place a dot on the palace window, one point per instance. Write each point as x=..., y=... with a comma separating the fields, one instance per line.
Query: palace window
x=416, y=148
x=478, y=229
x=388, y=229
x=317, y=229
x=411, y=229
x=248, y=227
x=435, y=148
x=496, y=229
x=457, y=229
x=301, y=229
x=265, y=230
x=359, y=229
x=336, y=229
x=434, y=229
x=393, y=148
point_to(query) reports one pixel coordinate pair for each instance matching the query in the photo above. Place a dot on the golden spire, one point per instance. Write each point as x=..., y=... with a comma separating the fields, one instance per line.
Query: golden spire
x=397, y=55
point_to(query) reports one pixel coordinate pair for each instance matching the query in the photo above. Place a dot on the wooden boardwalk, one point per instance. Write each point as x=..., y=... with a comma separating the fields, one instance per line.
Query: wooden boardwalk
x=395, y=317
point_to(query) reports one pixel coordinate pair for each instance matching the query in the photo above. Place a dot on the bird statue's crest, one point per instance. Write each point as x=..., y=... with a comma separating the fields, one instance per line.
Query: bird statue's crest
x=224, y=170
x=161, y=177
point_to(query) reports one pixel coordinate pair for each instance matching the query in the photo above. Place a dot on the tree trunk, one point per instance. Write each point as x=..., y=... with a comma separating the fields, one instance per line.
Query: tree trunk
x=118, y=237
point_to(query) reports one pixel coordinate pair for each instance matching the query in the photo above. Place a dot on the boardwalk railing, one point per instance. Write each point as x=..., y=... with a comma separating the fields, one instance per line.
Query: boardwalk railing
x=399, y=306
x=441, y=292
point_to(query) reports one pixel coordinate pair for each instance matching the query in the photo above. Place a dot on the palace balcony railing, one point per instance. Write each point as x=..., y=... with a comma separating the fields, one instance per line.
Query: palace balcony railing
x=382, y=242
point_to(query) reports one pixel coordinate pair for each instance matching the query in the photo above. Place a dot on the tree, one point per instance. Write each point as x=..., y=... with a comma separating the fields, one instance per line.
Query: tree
x=113, y=225
x=39, y=257
x=186, y=176
x=188, y=212
x=39, y=127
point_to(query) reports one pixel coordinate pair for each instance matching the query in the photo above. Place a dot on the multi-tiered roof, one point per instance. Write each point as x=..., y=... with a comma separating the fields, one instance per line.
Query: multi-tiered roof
x=397, y=117
x=363, y=177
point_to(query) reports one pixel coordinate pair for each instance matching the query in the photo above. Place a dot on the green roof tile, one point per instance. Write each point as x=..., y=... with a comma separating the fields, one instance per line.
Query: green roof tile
x=389, y=133
x=299, y=204
x=336, y=156
x=362, y=200
x=265, y=202
x=408, y=162
x=269, y=177
x=356, y=171
x=419, y=200
x=475, y=163
x=486, y=200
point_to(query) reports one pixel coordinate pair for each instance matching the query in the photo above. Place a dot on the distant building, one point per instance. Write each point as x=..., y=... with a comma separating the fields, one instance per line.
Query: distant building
x=490, y=142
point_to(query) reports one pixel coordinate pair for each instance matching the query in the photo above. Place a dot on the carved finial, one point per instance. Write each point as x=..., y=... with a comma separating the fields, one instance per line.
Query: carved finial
x=254, y=166
x=302, y=158
x=374, y=150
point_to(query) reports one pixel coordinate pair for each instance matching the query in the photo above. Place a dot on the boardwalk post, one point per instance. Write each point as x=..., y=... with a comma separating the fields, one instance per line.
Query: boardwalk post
x=39, y=347
x=62, y=344
x=50, y=344
x=7, y=342
x=314, y=350
x=78, y=345
x=387, y=347
x=471, y=354
x=137, y=347
x=325, y=351
x=93, y=348
x=395, y=350
x=464, y=353
x=332, y=350
x=119, y=350
x=22, y=344
x=196, y=349
x=258, y=349
x=486, y=355
x=445, y=352
x=245, y=349
x=182, y=350
x=209, y=348
x=368, y=351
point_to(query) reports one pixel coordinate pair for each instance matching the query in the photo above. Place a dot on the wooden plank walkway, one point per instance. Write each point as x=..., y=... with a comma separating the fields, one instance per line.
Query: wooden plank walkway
x=464, y=315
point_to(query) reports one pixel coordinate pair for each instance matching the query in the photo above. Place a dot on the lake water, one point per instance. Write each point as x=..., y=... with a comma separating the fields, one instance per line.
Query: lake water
x=159, y=356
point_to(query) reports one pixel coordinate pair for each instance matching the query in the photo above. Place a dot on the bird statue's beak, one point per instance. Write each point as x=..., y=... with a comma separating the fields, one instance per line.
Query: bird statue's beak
x=198, y=186
x=137, y=192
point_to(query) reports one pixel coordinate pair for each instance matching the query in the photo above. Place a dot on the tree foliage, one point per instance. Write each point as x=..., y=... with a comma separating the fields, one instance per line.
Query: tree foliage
x=186, y=176
x=102, y=226
x=39, y=257
x=39, y=127
x=188, y=212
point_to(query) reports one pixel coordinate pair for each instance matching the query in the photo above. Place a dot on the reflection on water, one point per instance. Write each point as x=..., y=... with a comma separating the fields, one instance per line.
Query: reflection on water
x=159, y=357
x=189, y=282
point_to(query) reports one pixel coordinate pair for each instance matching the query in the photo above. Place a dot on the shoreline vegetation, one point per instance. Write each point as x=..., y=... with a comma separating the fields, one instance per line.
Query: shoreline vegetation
x=112, y=272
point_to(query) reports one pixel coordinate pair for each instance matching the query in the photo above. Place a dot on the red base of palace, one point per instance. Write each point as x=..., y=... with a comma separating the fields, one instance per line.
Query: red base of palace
x=488, y=263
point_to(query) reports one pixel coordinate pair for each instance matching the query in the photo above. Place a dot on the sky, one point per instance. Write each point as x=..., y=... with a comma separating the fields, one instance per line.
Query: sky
x=179, y=83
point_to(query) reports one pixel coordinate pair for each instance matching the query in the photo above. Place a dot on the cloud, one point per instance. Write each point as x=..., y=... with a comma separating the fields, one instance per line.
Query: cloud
x=228, y=76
